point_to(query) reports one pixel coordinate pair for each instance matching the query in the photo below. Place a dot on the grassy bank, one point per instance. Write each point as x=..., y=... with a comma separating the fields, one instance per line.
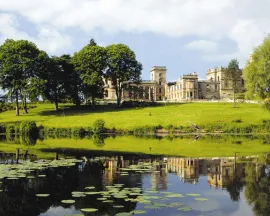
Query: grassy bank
x=185, y=146
x=208, y=116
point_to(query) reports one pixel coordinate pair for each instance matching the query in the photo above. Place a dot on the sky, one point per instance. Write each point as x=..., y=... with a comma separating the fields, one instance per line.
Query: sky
x=183, y=35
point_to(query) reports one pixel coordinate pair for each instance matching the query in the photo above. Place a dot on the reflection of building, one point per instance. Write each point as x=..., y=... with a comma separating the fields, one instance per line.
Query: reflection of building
x=219, y=171
x=223, y=171
x=188, y=87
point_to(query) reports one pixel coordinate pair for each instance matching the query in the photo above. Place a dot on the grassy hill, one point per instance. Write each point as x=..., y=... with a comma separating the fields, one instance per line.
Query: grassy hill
x=175, y=114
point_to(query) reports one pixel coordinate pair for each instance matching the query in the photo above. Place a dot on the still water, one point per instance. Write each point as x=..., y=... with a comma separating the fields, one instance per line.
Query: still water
x=131, y=184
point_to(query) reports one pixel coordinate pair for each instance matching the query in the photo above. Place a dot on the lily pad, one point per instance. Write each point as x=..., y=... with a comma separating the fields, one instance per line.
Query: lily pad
x=42, y=195
x=185, y=209
x=68, y=201
x=193, y=194
x=201, y=199
x=137, y=212
x=89, y=210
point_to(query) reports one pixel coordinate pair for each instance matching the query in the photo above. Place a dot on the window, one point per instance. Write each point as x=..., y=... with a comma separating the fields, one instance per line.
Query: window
x=191, y=94
x=218, y=78
x=159, y=90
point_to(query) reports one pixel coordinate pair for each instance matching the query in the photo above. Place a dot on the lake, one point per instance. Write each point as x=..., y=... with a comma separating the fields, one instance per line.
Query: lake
x=104, y=181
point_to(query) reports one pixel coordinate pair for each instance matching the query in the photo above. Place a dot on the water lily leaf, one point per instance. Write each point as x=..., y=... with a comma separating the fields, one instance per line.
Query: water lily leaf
x=137, y=212
x=193, y=194
x=152, y=207
x=123, y=214
x=118, y=206
x=201, y=199
x=90, y=188
x=68, y=201
x=89, y=210
x=42, y=195
x=184, y=209
x=174, y=196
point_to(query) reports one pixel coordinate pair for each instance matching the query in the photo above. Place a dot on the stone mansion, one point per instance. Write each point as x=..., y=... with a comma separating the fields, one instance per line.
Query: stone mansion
x=187, y=87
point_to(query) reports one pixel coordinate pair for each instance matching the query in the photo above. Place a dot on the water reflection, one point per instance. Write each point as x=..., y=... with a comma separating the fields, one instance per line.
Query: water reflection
x=216, y=179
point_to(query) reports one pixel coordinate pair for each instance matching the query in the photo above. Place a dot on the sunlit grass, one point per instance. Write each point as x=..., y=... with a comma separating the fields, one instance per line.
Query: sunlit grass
x=176, y=115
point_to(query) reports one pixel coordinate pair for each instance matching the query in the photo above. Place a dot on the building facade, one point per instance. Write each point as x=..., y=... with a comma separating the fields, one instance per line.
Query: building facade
x=187, y=87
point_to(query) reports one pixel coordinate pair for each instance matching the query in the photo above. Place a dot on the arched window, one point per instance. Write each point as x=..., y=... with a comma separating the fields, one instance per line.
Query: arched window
x=218, y=78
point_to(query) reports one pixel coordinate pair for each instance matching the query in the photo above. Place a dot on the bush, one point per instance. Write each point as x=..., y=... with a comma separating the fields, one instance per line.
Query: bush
x=99, y=126
x=10, y=129
x=28, y=128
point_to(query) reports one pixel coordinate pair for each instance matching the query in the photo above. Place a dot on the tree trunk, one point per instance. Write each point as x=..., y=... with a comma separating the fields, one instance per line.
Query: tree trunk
x=234, y=103
x=56, y=104
x=93, y=100
x=118, y=98
x=25, y=105
x=17, y=103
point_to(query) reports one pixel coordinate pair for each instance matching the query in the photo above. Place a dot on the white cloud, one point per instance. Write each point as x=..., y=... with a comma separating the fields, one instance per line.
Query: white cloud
x=243, y=21
x=203, y=45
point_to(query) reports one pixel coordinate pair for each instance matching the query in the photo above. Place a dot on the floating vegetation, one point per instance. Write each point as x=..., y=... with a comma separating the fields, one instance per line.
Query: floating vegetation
x=193, y=194
x=42, y=195
x=123, y=214
x=68, y=201
x=175, y=196
x=118, y=206
x=89, y=210
x=175, y=204
x=73, y=215
x=152, y=207
x=185, y=209
x=201, y=199
x=137, y=212
x=90, y=188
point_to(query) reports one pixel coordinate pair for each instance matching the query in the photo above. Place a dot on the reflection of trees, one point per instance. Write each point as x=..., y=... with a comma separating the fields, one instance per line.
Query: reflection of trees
x=234, y=187
x=98, y=140
x=258, y=188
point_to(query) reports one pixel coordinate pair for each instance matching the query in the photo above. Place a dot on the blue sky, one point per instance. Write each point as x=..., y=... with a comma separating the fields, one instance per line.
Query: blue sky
x=183, y=35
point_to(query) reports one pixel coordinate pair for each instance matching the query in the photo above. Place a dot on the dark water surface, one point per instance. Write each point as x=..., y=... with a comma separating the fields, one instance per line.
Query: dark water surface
x=227, y=188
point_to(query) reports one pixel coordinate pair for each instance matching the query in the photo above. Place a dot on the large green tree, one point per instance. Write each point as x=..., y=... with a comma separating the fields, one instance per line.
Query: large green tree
x=19, y=65
x=257, y=73
x=90, y=63
x=54, y=89
x=123, y=68
x=233, y=77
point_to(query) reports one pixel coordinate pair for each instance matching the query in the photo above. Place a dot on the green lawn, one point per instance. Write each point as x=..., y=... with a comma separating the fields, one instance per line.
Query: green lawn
x=180, y=114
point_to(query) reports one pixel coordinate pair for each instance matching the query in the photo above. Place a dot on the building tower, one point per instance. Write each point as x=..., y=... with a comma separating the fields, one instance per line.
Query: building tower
x=158, y=75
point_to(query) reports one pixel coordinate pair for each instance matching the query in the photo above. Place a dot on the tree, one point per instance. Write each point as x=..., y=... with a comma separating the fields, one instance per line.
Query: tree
x=72, y=82
x=233, y=75
x=257, y=73
x=90, y=63
x=54, y=75
x=19, y=64
x=122, y=68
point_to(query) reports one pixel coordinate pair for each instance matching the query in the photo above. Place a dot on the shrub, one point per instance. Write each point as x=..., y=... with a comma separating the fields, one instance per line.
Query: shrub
x=28, y=128
x=10, y=129
x=99, y=126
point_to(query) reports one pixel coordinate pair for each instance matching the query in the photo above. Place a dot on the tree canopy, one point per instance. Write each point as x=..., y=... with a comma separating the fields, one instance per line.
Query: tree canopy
x=19, y=67
x=257, y=73
x=123, y=67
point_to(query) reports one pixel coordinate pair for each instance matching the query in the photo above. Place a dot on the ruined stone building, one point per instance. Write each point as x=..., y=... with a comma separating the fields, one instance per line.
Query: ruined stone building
x=187, y=87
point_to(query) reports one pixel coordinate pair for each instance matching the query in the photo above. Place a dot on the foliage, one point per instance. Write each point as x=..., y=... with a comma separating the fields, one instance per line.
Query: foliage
x=233, y=75
x=257, y=72
x=90, y=63
x=28, y=128
x=123, y=68
x=20, y=64
x=98, y=126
